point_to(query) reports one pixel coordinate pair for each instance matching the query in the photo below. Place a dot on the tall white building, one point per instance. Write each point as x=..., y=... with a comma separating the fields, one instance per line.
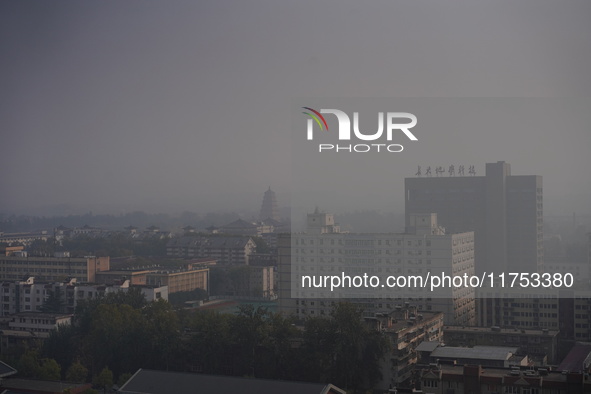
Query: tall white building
x=325, y=251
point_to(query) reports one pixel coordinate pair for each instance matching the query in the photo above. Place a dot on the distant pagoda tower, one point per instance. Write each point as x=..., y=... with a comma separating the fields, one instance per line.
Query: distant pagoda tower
x=269, y=208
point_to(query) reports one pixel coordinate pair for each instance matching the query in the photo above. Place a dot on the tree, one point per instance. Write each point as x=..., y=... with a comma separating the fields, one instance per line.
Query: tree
x=343, y=349
x=132, y=297
x=248, y=329
x=62, y=345
x=28, y=364
x=180, y=297
x=276, y=354
x=77, y=373
x=162, y=326
x=104, y=380
x=54, y=302
x=50, y=370
x=118, y=337
x=123, y=378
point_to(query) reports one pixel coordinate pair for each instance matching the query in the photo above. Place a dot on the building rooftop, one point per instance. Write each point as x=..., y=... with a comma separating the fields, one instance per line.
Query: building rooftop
x=24, y=334
x=43, y=315
x=498, y=330
x=159, y=382
x=211, y=242
x=39, y=386
x=240, y=224
x=575, y=359
x=500, y=353
x=131, y=271
x=510, y=376
x=6, y=370
x=427, y=346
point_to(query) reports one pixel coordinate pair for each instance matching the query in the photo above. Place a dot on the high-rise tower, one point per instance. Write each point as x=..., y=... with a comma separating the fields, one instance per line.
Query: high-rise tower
x=505, y=212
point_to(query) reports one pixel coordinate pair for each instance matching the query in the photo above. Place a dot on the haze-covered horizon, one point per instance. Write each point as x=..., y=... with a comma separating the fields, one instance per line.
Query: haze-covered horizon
x=115, y=107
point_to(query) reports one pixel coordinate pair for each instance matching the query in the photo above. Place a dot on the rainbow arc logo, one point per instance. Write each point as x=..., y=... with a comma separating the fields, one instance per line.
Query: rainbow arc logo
x=315, y=115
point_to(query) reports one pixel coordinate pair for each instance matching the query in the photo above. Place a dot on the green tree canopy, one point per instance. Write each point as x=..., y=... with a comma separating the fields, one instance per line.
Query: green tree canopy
x=104, y=379
x=54, y=302
x=77, y=373
x=50, y=370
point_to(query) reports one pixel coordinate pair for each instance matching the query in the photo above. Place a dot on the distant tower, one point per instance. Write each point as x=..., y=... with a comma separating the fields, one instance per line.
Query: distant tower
x=269, y=209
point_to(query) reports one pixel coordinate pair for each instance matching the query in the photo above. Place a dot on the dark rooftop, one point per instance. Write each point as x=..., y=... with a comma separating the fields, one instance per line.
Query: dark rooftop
x=159, y=382
x=575, y=359
x=6, y=370
x=39, y=386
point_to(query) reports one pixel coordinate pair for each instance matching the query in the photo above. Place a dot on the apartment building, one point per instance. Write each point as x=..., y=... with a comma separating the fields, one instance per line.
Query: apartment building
x=474, y=379
x=52, y=269
x=407, y=328
x=226, y=250
x=30, y=295
x=180, y=279
x=540, y=345
x=426, y=248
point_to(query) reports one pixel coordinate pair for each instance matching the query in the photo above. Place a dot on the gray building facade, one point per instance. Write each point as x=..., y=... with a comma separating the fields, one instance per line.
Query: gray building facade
x=505, y=212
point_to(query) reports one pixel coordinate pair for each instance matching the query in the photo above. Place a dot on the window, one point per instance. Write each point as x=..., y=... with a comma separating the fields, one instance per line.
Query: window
x=430, y=383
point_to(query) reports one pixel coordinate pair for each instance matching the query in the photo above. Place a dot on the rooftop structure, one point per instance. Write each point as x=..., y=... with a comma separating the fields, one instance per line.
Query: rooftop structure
x=439, y=378
x=540, y=344
x=159, y=382
x=226, y=250
x=489, y=356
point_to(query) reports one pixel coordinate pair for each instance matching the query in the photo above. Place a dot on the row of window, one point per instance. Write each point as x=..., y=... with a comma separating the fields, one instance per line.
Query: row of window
x=362, y=242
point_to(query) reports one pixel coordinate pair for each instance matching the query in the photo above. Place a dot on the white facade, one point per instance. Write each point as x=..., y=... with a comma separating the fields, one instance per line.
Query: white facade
x=39, y=322
x=427, y=250
x=28, y=296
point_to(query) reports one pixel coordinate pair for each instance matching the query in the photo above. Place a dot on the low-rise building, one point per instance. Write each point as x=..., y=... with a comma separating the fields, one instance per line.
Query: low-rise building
x=406, y=328
x=563, y=309
x=538, y=344
x=30, y=296
x=180, y=280
x=136, y=277
x=39, y=322
x=53, y=269
x=487, y=356
x=225, y=250
x=474, y=379
x=242, y=227
x=23, y=238
x=27, y=329
x=11, y=250
x=251, y=281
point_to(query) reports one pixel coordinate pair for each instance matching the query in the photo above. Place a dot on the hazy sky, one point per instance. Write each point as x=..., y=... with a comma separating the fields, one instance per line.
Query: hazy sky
x=185, y=105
